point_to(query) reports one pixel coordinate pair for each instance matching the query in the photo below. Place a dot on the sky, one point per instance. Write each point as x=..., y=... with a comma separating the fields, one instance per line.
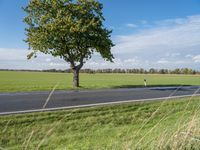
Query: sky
x=147, y=34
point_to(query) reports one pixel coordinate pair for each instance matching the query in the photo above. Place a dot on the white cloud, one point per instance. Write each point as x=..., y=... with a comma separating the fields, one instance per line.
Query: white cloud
x=57, y=64
x=162, y=61
x=175, y=39
x=171, y=43
x=131, y=25
x=17, y=59
x=188, y=56
x=177, y=21
x=172, y=54
x=196, y=59
x=171, y=39
x=13, y=54
x=131, y=60
x=48, y=59
x=118, y=63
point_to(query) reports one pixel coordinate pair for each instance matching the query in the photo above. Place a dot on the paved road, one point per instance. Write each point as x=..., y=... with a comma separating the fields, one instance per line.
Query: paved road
x=34, y=101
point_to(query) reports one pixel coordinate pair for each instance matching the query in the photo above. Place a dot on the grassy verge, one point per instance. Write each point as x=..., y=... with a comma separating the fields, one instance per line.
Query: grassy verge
x=150, y=125
x=11, y=81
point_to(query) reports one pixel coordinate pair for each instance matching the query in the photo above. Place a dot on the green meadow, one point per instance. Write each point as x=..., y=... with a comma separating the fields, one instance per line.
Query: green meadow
x=13, y=81
x=159, y=125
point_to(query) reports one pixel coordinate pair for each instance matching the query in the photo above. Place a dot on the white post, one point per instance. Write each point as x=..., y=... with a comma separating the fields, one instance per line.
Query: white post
x=145, y=82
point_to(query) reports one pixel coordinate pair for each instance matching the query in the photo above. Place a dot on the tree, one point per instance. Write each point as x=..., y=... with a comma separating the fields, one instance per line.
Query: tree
x=70, y=29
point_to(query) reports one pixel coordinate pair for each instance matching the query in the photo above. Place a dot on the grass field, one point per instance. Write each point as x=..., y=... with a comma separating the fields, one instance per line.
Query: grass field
x=150, y=125
x=36, y=81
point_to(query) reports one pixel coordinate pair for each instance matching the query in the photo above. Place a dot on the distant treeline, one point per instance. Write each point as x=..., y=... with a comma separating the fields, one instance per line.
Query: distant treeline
x=141, y=71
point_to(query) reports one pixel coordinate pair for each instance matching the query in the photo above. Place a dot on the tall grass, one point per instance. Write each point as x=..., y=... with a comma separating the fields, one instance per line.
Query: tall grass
x=171, y=124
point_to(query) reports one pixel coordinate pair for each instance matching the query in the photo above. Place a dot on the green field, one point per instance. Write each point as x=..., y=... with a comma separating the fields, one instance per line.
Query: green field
x=161, y=125
x=11, y=81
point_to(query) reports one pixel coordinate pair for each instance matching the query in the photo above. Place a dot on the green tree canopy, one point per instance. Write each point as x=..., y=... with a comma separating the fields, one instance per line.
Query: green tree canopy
x=70, y=29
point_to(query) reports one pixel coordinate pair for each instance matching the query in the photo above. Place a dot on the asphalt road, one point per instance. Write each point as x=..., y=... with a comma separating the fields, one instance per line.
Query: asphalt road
x=37, y=101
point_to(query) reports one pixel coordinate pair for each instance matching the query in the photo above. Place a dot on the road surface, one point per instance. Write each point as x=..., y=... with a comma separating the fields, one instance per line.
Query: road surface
x=38, y=101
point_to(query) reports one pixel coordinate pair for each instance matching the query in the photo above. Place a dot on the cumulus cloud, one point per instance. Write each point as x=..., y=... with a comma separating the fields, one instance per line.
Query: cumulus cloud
x=196, y=59
x=17, y=59
x=57, y=64
x=12, y=54
x=168, y=38
x=170, y=43
x=173, y=39
x=48, y=59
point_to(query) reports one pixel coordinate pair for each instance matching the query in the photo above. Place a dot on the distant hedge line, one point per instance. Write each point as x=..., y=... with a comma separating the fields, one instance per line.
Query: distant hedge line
x=118, y=70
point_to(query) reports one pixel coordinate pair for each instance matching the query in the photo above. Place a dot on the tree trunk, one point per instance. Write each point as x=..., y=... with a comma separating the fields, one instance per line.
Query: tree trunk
x=76, y=78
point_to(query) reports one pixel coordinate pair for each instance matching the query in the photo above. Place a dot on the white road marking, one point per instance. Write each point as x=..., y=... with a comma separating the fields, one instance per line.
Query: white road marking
x=48, y=98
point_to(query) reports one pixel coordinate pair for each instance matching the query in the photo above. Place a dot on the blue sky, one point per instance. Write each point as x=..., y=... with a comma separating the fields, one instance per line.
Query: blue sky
x=147, y=33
